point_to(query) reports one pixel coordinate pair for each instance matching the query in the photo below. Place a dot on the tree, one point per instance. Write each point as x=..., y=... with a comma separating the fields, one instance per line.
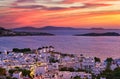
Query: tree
x=14, y=78
x=11, y=71
x=39, y=48
x=109, y=74
x=67, y=69
x=77, y=77
x=2, y=72
x=21, y=50
x=25, y=72
x=71, y=69
x=116, y=73
x=16, y=50
x=53, y=60
x=8, y=77
x=109, y=62
x=63, y=69
x=26, y=50
x=97, y=59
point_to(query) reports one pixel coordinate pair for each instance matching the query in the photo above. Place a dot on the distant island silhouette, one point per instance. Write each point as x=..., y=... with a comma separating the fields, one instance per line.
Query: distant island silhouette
x=6, y=32
x=97, y=28
x=45, y=28
x=99, y=34
x=46, y=31
x=57, y=28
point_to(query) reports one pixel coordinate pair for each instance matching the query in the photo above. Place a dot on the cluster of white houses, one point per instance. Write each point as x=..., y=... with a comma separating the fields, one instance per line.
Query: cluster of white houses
x=41, y=67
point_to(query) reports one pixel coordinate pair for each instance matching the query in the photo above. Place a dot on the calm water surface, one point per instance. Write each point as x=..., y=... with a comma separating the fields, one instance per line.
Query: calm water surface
x=91, y=46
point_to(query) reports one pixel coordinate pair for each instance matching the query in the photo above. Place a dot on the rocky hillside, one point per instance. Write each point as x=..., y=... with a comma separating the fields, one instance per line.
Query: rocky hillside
x=6, y=32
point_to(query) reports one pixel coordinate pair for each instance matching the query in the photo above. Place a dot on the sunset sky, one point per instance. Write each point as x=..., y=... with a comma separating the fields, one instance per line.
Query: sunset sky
x=69, y=13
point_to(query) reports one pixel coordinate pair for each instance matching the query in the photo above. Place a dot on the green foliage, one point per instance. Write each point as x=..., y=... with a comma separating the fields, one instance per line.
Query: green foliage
x=116, y=73
x=81, y=70
x=71, y=69
x=63, y=69
x=11, y=71
x=2, y=72
x=14, y=78
x=25, y=72
x=8, y=77
x=21, y=50
x=97, y=59
x=16, y=50
x=76, y=77
x=53, y=60
x=109, y=62
x=109, y=74
x=67, y=69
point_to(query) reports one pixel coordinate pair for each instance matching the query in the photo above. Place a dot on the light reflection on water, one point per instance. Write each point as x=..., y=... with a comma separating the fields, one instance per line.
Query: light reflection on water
x=91, y=46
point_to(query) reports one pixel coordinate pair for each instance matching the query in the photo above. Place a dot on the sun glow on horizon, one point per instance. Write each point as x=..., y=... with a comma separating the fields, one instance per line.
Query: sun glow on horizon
x=77, y=13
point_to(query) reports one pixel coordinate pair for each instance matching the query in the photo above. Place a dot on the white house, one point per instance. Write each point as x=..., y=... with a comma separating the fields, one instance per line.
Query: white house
x=113, y=66
x=102, y=78
x=69, y=75
x=88, y=63
x=17, y=75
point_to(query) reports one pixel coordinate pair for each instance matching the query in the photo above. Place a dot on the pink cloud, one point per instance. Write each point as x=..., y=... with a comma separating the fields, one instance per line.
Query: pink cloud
x=25, y=1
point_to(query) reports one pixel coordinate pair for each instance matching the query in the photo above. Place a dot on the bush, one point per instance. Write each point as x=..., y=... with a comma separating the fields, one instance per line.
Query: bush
x=8, y=77
x=25, y=72
x=76, y=77
x=52, y=60
x=67, y=69
x=109, y=74
x=2, y=72
x=63, y=69
x=21, y=50
x=97, y=59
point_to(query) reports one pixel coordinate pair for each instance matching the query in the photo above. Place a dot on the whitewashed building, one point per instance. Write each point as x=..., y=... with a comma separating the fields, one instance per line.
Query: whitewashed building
x=88, y=63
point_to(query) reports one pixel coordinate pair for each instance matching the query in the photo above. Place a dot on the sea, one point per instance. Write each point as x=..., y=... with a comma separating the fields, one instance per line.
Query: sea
x=64, y=41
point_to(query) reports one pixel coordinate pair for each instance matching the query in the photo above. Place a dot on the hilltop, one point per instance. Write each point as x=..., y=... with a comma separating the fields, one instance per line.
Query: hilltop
x=6, y=32
x=99, y=34
x=45, y=28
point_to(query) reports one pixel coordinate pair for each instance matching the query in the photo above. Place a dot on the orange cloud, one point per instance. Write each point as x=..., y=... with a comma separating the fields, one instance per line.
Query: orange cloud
x=91, y=13
x=61, y=18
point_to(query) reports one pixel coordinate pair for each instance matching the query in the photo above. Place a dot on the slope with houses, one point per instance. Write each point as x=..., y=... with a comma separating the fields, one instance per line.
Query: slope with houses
x=46, y=63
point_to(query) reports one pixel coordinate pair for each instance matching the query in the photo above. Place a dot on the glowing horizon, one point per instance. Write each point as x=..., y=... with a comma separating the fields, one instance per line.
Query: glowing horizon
x=64, y=13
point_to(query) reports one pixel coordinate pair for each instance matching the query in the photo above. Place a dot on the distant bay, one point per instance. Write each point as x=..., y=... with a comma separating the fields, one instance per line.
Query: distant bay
x=90, y=46
x=71, y=32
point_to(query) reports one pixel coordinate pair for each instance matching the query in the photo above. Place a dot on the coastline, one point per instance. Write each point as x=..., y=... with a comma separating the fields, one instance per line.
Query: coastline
x=45, y=60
